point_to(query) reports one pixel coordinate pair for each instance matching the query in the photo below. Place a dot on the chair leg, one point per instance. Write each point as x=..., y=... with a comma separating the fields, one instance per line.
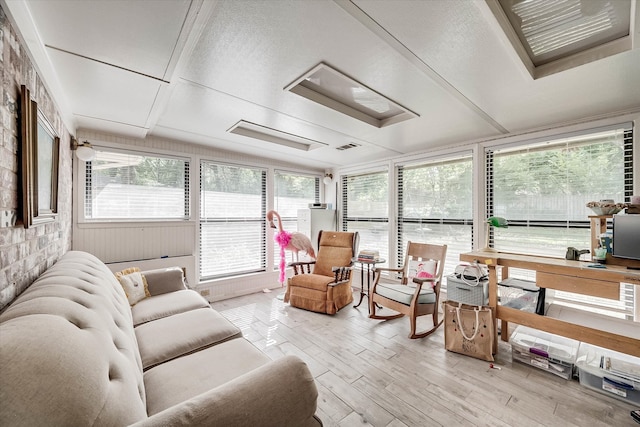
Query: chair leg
x=412, y=323
x=413, y=320
x=414, y=335
x=373, y=315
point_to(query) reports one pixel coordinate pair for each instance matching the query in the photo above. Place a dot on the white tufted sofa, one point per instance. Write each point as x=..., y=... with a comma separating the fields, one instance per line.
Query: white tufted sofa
x=74, y=353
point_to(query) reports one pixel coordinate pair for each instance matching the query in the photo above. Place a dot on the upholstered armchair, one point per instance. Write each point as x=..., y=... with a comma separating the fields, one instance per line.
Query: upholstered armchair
x=324, y=285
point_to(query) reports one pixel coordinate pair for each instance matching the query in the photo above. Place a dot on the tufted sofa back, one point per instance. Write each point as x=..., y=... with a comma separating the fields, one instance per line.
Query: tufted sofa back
x=68, y=352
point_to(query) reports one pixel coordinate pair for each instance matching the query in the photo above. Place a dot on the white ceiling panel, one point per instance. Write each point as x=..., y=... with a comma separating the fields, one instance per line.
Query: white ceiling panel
x=191, y=69
x=460, y=41
x=137, y=35
x=104, y=92
x=208, y=114
x=254, y=53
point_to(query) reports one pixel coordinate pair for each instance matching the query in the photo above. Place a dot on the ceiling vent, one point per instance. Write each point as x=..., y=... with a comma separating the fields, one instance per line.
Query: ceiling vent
x=335, y=90
x=263, y=133
x=347, y=146
x=555, y=35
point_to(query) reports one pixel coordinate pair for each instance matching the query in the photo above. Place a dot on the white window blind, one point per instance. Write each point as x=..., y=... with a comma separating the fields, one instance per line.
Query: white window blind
x=134, y=186
x=435, y=205
x=232, y=224
x=292, y=191
x=365, y=205
x=542, y=189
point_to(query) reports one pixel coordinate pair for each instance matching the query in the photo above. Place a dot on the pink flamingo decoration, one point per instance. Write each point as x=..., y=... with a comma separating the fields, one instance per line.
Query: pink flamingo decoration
x=293, y=242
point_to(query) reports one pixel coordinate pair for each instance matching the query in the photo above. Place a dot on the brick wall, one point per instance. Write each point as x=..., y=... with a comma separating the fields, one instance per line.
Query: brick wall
x=26, y=253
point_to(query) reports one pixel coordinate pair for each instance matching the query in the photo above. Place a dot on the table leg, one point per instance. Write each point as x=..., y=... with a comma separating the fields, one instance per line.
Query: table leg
x=369, y=275
x=362, y=287
x=493, y=303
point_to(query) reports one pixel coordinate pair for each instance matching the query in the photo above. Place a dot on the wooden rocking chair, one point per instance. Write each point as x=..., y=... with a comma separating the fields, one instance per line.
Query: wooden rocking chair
x=417, y=293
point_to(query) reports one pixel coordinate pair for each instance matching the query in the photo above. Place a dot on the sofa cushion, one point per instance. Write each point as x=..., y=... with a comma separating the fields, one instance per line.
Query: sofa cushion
x=170, y=337
x=159, y=306
x=164, y=280
x=181, y=379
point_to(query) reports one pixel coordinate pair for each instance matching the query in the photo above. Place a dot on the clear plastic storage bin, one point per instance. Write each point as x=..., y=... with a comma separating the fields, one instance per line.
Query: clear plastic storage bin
x=520, y=294
x=609, y=372
x=549, y=352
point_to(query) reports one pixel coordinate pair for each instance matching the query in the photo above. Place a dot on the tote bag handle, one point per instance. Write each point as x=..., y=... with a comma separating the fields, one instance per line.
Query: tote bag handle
x=477, y=325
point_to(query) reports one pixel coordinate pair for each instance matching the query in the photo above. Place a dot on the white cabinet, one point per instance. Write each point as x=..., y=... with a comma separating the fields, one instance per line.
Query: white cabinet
x=311, y=221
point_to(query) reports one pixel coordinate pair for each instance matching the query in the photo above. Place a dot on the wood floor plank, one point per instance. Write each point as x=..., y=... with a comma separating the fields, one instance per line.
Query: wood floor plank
x=370, y=411
x=333, y=408
x=369, y=373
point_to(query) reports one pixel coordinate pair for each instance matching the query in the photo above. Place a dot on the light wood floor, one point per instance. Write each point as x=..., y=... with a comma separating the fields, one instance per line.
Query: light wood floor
x=369, y=373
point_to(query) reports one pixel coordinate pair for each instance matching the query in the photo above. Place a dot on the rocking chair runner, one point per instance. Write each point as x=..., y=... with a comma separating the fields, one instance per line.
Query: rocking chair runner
x=327, y=287
x=416, y=294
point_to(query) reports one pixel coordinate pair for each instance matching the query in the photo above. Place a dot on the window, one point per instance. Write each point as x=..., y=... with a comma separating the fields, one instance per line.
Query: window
x=542, y=189
x=123, y=185
x=232, y=225
x=435, y=205
x=365, y=204
x=293, y=191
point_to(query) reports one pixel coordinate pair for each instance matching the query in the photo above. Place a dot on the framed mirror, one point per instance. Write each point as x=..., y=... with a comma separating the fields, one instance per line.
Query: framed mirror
x=40, y=156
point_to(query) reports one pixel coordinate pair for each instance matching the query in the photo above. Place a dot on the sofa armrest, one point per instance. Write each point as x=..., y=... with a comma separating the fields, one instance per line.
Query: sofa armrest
x=280, y=393
x=165, y=280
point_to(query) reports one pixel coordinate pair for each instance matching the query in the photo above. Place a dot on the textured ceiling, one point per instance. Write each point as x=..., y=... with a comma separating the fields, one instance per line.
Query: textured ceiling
x=191, y=70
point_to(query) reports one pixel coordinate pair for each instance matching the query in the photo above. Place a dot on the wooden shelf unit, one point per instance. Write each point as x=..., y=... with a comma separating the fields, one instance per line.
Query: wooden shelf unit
x=561, y=274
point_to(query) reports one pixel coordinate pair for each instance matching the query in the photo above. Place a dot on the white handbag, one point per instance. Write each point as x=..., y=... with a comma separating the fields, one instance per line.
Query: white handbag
x=471, y=274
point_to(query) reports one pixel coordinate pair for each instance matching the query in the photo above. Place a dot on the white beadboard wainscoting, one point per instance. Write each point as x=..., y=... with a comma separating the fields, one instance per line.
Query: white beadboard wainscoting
x=130, y=244
x=231, y=287
x=116, y=242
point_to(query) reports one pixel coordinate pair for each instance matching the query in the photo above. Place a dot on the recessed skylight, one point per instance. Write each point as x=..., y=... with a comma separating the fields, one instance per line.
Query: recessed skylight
x=339, y=92
x=549, y=25
x=554, y=35
x=274, y=136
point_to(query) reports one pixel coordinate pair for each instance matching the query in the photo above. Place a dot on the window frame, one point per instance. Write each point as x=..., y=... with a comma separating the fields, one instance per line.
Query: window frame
x=85, y=170
x=288, y=221
x=262, y=260
x=457, y=157
x=625, y=306
x=387, y=221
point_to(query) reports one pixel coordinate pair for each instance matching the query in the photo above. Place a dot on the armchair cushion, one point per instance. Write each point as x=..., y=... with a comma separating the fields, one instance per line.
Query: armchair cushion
x=336, y=249
x=404, y=293
x=312, y=281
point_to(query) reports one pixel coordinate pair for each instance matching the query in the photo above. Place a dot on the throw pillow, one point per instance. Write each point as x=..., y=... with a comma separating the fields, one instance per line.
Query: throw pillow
x=134, y=284
x=421, y=269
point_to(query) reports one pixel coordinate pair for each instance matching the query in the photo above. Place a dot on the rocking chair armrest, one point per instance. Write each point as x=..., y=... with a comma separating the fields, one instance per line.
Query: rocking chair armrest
x=421, y=280
x=379, y=269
